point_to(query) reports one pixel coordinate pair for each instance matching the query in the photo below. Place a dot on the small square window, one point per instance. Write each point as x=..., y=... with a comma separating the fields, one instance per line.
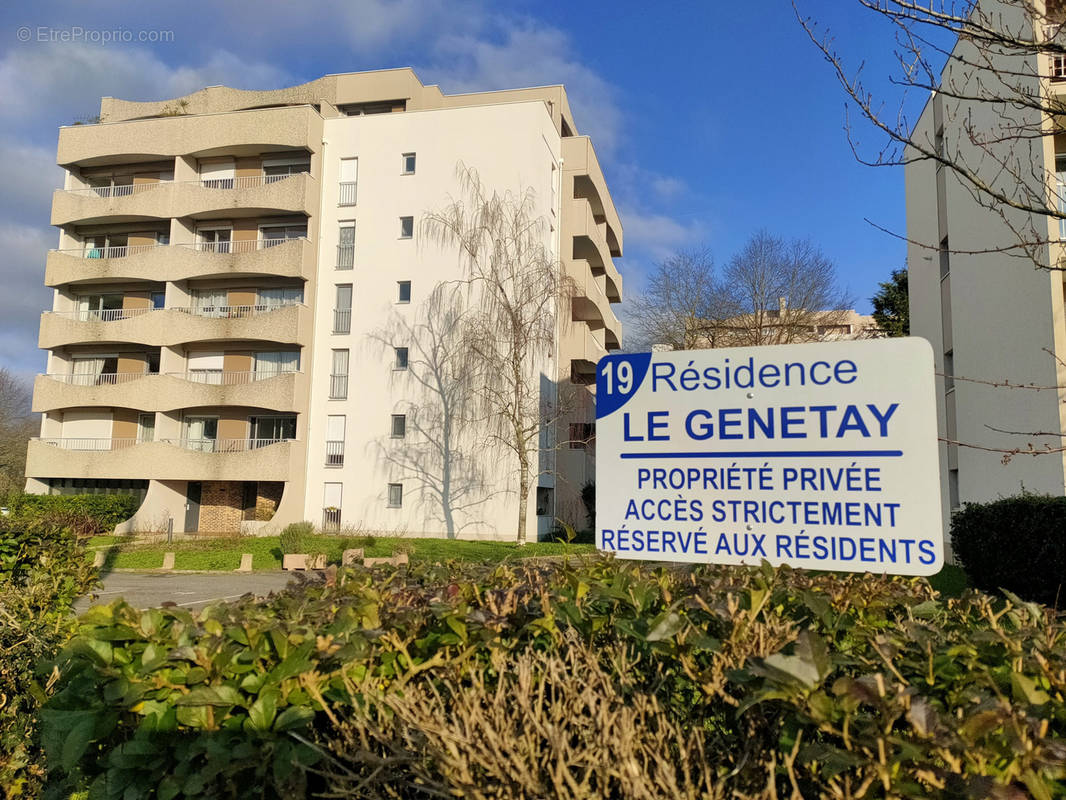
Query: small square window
x=408, y=164
x=404, y=291
x=407, y=227
x=395, y=495
x=399, y=426
x=401, y=358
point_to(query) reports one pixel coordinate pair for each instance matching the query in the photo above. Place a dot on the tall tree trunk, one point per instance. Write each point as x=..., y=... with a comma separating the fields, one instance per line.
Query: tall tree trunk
x=523, y=498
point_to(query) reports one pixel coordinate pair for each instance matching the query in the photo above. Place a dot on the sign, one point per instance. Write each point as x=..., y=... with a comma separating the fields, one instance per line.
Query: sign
x=821, y=456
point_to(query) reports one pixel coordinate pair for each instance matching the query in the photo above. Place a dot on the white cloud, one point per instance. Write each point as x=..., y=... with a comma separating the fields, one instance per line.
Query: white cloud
x=56, y=84
x=529, y=54
x=30, y=176
x=24, y=295
x=658, y=235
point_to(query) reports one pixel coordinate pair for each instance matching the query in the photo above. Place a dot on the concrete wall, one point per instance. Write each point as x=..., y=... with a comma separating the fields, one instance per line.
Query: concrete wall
x=513, y=148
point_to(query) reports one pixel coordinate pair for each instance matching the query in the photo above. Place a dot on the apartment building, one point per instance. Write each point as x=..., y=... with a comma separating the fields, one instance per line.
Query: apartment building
x=240, y=307
x=992, y=317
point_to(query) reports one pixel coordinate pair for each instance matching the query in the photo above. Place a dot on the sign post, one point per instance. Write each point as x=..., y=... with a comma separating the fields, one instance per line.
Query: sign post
x=821, y=456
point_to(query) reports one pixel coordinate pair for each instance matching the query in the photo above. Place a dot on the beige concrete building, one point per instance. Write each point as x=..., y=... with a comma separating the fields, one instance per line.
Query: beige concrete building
x=991, y=317
x=235, y=276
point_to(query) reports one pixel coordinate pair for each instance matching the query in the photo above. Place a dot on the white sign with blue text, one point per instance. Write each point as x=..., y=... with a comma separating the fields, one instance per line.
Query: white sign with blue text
x=822, y=456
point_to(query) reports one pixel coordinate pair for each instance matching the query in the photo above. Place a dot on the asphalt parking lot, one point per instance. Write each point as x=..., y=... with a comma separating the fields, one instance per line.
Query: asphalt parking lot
x=188, y=590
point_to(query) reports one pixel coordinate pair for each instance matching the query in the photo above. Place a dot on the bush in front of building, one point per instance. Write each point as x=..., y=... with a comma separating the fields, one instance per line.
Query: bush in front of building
x=85, y=514
x=43, y=569
x=294, y=537
x=1016, y=544
x=585, y=679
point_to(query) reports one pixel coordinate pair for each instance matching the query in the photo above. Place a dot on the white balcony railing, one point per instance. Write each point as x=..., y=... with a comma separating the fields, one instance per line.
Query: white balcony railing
x=345, y=256
x=223, y=378
x=223, y=445
x=334, y=453
x=97, y=379
x=122, y=251
x=232, y=312
x=103, y=314
x=338, y=387
x=347, y=193
x=126, y=190
x=342, y=320
x=79, y=443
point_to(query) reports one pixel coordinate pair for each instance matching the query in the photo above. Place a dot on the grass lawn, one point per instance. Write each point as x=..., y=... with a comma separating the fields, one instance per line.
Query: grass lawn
x=224, y=553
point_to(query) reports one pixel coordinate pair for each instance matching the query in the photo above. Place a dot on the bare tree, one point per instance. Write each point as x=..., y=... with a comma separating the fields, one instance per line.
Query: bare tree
x=515, y=289
x=999, y=89
x=684, y=297
x=786, y=291
x=774, y=291
x=439, y=450
x=17, y=425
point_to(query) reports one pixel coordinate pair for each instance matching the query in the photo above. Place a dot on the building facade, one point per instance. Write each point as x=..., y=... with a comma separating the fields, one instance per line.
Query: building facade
x=993, y=319
x=242, y=325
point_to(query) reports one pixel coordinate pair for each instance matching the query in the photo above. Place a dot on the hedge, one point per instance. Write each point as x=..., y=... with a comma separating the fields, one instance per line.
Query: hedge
x=1016, y=544
x=87, y=514
x=590, y=679
x=42, y=571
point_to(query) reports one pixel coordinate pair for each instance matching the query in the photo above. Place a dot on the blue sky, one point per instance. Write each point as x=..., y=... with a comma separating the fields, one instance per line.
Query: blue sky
x=712, y=120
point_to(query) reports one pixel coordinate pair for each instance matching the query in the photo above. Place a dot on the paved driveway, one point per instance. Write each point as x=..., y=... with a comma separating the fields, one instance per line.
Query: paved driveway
x=189, y=590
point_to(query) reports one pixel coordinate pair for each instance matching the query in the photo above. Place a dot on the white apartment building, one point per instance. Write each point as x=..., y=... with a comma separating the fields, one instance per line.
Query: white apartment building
x=239, y=332
x=992, y=318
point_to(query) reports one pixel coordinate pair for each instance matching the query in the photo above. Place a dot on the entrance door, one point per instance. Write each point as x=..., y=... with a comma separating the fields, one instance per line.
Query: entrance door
x=192, y=506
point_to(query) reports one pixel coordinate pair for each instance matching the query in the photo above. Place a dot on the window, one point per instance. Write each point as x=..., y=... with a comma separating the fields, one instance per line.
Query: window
x=342, y=311
x=401, y=358
x=945, y=259
x=404, y=291
x=145, y=427
x=349, y=176
x=545, y=501
x=338, y=379
x=949, y=370
x=408, y=164
x=157, y=299
x=278, y=297
x=581, y=434
x=268, y=430
x=278, y=169
x=331, y=506
x=269, y=364
x=407, y=227
x=395, y=495
x=214, y=240
x=399, y=426
x=1060, y=187
x=335, y=441
x=346, y=246
x=271, y=235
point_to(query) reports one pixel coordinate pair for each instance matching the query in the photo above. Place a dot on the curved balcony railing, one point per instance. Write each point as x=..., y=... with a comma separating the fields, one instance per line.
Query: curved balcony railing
x=97, y=379
x=126, y=190
x=122, y=251
x=90, y=443
x=212, y=377
x=223, y=445
x=103, y=314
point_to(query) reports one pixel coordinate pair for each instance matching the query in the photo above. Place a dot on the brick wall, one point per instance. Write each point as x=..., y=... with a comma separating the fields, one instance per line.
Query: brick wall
x=268, y=495
x=221, y=506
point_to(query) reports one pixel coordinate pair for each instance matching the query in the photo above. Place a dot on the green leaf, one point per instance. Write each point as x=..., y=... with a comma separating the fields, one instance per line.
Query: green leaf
x=665, y=626
x=75, y=744
x=1025, y=688
x=153, y=655
x=457, y=625
x=211, y=696
x=293, y=717
x=261, y=713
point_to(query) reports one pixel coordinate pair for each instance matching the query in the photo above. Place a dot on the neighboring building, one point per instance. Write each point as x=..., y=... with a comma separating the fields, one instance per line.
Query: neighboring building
x=227, y=264
x=786, y=325
x=989, y=315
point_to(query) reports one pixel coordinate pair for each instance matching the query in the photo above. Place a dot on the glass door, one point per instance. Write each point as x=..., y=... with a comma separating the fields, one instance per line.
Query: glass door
x=201, y=433
x=215, y=240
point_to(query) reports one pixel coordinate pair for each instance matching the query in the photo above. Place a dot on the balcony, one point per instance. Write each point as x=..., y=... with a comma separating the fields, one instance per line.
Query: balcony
x=590, y=244
x=249, y=195
x=579, y=160
x=169, y=391
x=166, y=137
x=171, y=326
x=289, y=258
x=583, y=347
x=590, y=303
x=177, y=459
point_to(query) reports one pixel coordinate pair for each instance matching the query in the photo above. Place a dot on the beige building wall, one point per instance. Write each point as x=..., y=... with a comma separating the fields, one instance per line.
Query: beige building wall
x=988, y=316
